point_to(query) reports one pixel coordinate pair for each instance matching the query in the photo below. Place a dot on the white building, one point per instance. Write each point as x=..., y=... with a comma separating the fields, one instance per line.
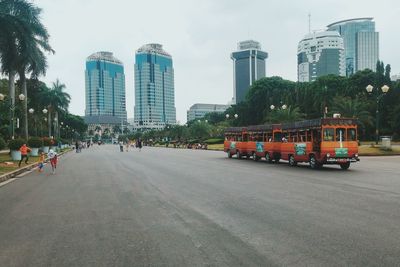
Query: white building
x=198, y=111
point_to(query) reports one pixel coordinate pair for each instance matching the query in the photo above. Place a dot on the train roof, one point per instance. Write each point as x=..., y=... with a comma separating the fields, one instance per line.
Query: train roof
x=315, y=123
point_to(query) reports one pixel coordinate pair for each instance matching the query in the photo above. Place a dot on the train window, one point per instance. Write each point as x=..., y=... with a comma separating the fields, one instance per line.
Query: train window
x=340, y=134
x=351, y=134
x=328, y=134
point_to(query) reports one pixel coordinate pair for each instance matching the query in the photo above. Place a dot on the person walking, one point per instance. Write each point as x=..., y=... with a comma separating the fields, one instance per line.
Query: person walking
x=77, y=146
x=41, y=161
x=53, y=160
x=121, y=146
x=24, y=154
x=139, y=144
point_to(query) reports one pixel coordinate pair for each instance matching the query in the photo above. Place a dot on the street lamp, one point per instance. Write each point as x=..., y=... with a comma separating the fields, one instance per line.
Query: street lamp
x=236, y=116
x=227, y=116
x=379, y=97
x=11, y=107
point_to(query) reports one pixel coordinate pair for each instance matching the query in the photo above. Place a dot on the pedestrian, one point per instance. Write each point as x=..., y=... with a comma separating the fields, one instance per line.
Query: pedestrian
x=77, y=146
x=53, y=160
x=121, y=146
x=139, y=144
x=41, y=161
x=127, y=145
x=24, y=154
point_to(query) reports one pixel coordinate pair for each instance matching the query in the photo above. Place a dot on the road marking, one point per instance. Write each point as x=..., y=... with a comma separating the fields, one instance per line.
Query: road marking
x=8, y=181
x=25, y=173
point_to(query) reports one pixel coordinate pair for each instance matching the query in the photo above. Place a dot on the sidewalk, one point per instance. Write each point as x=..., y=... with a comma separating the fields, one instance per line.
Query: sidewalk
x=12, y=174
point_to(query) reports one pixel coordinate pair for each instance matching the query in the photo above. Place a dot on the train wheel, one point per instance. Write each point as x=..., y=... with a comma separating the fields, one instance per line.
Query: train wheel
x=238, y=155
x=255, y=157
x=345, y=166
x=268, y=157
x=314, y=163
x=292, y=162
x=229, y=154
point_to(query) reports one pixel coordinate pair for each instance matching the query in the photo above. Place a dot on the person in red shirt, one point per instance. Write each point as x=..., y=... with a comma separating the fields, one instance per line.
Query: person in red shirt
x=24, y=154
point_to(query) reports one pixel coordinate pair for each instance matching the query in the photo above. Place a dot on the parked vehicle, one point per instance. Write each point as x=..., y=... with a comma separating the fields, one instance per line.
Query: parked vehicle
x=318, y=142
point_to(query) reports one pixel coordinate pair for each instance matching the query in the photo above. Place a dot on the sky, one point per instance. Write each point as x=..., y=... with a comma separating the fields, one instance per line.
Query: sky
x=200, y=35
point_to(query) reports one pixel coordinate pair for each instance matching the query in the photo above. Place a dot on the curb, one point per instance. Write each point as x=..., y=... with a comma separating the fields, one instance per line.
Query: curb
x=9, y=175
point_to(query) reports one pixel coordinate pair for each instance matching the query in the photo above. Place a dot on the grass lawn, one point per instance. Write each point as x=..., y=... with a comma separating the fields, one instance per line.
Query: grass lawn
x=5, y=157
x=216, y=147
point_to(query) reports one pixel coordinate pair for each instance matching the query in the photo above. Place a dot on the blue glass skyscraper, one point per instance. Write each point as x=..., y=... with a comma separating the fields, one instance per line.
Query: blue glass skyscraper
x=105, y=90
x=248, y=66
x=361, y=43
x=154, y=88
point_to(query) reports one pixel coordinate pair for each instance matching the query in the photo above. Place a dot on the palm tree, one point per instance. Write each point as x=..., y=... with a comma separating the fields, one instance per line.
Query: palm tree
x=57, y=102
x=353, y=108
x=289, y=114
x=22, y=47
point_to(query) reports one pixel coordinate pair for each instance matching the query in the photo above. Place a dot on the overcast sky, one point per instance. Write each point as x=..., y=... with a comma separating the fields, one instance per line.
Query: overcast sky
x=200, y=35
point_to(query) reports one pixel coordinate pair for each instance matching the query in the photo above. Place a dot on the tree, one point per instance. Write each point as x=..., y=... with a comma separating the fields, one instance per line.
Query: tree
x=116, y=129
x=22, y=47
x=289, y=114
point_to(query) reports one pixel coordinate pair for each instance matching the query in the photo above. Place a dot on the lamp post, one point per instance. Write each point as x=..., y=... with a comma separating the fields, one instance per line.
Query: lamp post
x=379, y=97
x=273, y=107
x=31, y=111
x=45, y=112
x=12, y=106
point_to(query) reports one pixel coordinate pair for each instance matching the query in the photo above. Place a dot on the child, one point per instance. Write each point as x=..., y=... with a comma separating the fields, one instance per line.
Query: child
x=41, y=161
x=53, y=160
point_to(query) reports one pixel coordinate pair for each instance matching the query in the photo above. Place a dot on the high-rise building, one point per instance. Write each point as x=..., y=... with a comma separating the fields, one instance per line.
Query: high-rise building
x=361, y=43
x=154, y=88
x=319, y=54
x=248, y=66
x=198, y=111
x=105, y=90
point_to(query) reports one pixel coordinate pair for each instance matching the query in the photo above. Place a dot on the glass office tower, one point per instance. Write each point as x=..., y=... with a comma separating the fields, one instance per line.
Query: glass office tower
x=105, y=89
x=361, y=43
x=154, y=88
x=248, y=66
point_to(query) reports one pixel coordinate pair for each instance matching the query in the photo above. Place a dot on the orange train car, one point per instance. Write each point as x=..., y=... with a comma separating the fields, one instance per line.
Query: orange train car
x=317, y=142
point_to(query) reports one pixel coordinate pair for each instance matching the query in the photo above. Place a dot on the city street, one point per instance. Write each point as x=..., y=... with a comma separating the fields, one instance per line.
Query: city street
x=178, y=207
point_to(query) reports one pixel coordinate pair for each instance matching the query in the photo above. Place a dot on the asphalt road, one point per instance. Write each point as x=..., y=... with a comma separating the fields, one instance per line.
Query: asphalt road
x=166, y=207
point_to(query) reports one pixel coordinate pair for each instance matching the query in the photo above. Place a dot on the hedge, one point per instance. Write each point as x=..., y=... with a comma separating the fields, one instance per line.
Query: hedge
x=213, y=141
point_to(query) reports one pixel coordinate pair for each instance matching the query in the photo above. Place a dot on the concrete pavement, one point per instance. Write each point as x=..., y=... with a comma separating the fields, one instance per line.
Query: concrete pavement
x=166, y=207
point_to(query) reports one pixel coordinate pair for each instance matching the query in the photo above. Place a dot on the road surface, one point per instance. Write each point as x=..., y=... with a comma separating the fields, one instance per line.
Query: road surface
x=169, y=207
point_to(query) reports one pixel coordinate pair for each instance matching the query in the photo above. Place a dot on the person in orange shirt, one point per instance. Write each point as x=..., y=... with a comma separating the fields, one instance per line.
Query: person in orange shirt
x=41, y=161
x=24, y=154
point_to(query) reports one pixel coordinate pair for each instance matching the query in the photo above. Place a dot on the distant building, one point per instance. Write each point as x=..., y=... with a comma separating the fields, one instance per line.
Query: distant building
x=154, y=88
x=105, y=91
x=395, y=77
x=198, y=111
x=248, y=66
x=361, y=43
x=320, y=54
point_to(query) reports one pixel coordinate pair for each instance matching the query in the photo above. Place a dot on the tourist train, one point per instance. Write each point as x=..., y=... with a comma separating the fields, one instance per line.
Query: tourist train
x=317, y=142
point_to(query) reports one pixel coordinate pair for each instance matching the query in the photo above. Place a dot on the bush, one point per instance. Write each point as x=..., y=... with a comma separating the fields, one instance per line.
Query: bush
x=35, y=142
x=213, y=141
x=2, y=143
x=16, y=144
x=46, y=141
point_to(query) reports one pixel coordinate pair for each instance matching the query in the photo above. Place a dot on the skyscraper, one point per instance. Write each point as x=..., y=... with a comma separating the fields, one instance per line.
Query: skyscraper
x=154, y=87
x=105, y=90
x=248, y=66
x=320, y=54
x=361, y=43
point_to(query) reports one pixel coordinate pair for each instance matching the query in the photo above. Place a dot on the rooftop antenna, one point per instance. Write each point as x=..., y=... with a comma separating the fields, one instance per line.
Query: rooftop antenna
x=309, y=23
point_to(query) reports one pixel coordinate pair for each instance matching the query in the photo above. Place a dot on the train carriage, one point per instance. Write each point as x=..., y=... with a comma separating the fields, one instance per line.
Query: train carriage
x=317, y=142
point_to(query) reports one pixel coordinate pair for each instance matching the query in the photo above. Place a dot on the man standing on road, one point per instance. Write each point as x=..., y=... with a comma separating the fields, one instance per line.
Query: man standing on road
x=24, y=154
x=121, y=146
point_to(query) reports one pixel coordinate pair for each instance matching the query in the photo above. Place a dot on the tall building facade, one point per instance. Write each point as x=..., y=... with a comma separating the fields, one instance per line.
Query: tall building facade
x=361, y=43
x=198, y=111
x=154, y=88
x=320, y=54
x=248, y=66
x=105, y=90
